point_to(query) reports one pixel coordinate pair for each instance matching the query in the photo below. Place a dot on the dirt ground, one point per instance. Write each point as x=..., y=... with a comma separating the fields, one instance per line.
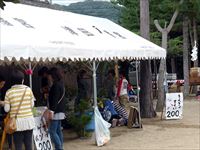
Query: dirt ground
x=156, y=134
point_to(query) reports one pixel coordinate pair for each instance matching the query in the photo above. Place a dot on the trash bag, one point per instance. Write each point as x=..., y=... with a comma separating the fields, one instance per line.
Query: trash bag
x=102, y=131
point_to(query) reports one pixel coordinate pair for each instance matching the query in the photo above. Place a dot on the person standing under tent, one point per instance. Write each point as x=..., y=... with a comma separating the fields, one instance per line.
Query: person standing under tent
x=57, y=105
x=110, y=85
x=122, y=91
x=43, y=73
x=3, y=114
x=20, y=97
x=82, y=87
x=2, y=83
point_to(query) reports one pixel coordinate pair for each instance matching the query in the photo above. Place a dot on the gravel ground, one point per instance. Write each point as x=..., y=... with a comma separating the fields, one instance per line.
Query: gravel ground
x=156, y=134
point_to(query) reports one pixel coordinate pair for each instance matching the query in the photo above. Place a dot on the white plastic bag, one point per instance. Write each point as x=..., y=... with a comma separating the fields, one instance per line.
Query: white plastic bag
x=102, y=131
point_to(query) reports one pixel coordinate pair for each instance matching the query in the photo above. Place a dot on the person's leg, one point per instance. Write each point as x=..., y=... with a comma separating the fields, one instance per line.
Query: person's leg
x=59, y=132
x=123, y=100
x=18, y=140
x=28, y=139
x=54, y=136
x=9, y=138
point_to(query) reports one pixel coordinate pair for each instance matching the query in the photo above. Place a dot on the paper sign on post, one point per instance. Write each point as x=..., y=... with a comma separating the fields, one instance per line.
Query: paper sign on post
x=41, y=136
x=174, y=106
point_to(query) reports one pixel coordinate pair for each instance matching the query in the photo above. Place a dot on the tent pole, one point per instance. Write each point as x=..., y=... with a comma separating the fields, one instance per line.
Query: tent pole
x=116, y=70
x=30, y=76
x=138, y=89
x=94, y=82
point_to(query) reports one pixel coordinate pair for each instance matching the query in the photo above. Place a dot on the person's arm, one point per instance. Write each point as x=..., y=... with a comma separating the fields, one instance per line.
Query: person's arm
x=32, y=98
x=119, y=87
x=2, y=103
x=7, y=103
x=7, y=107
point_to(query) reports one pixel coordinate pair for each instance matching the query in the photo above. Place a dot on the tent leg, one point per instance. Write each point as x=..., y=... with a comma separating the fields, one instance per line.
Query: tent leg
x=94, y=82
x=138, y=95
x=30, y=76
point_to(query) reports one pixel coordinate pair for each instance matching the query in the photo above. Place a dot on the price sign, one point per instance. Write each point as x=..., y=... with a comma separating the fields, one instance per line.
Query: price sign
x=174, y=106
x=41, y=136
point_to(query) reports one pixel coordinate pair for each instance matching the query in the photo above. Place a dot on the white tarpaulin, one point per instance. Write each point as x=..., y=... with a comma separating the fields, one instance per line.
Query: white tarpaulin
x=34, y=33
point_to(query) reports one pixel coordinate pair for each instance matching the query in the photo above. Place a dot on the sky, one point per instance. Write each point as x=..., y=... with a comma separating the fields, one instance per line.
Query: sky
x=67, y=2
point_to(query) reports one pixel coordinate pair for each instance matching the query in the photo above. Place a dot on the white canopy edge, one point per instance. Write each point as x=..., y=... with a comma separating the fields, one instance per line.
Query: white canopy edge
x=35, y=34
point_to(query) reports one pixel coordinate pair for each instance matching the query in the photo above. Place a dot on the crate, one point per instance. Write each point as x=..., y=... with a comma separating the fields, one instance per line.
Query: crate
x=194, y=76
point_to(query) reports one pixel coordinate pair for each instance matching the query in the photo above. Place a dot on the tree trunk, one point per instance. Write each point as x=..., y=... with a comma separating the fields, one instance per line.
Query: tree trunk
x=185, y=55
x=147, y=110
x=173, y=65
x=191, y=33
x=162, y=70
x=145, y=75
x=195, y=39
x=144, y=19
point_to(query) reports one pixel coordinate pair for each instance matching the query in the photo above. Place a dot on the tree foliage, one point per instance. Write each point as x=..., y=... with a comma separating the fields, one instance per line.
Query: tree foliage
x=130, y=17
x=96, y=8
x=175, y=46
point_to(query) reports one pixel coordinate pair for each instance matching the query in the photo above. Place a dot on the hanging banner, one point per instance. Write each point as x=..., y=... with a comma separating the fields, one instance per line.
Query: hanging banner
x=174, y=106
x=41, y=136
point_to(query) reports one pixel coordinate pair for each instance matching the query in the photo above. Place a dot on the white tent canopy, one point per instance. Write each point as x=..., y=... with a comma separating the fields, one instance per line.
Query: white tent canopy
x=33, y=34
x=40, y=34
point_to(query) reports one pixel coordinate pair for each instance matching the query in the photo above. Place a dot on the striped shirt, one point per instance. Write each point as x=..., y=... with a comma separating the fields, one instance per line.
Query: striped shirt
x=14, y=96
x=25, y=120
x=120, y=110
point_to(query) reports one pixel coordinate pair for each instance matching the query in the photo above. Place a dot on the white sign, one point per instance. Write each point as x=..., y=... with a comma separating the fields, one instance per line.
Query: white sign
x=174, y=106
x=41, y=136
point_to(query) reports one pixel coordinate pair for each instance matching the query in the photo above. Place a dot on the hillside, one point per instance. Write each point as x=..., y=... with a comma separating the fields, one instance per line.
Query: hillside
x=96, y=8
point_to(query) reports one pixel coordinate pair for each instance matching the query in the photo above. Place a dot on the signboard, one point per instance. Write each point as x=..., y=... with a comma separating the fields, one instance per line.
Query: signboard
x=174, y=106
x=41, y=136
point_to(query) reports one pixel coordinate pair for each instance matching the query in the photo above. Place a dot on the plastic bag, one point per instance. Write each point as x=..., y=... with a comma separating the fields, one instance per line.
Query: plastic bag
x=102, y=131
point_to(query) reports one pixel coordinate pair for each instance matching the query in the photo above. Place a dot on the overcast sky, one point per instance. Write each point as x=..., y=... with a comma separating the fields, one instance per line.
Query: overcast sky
x=67, y=2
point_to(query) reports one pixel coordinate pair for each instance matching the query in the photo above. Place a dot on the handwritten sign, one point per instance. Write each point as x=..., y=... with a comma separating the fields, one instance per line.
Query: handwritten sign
x=41, y=136
x=174, y=105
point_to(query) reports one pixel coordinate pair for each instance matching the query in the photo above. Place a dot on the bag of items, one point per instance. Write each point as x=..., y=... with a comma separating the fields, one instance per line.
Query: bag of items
x=102, y=131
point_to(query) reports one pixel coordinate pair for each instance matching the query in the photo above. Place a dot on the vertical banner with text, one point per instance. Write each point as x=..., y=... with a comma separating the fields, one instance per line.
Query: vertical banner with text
x=174, y=106
x=41, y=136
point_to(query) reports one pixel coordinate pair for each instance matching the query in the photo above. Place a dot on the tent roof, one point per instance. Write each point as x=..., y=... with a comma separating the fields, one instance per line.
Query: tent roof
x=42, y=34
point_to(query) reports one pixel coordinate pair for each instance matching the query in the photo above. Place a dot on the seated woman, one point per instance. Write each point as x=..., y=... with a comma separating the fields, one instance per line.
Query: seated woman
x=111, y=115
x=121, y=112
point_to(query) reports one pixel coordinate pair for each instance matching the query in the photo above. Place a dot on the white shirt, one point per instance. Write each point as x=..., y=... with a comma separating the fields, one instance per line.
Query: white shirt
x=123, y=90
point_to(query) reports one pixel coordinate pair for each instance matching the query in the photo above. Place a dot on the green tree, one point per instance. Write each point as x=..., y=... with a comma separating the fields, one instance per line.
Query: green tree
x=174, y=50
x=162, y=69
x=146, y=75
x=191, y=9
x=190, y=16
x=130, y=15
x=96, y=8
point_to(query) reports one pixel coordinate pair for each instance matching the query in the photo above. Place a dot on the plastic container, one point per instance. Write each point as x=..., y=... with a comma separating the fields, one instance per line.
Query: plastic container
x=91, y=125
